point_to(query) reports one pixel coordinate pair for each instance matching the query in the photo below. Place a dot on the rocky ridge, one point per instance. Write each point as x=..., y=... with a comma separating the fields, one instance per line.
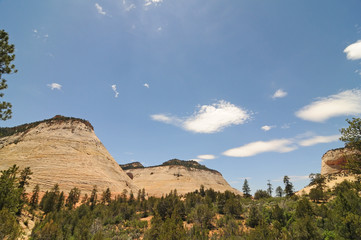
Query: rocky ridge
x=185, y=176
x=65, y=151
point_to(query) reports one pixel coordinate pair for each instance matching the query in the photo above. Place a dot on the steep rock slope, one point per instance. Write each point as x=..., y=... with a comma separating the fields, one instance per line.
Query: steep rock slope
x=185, y=176
x=333, y=160
x=65, y=151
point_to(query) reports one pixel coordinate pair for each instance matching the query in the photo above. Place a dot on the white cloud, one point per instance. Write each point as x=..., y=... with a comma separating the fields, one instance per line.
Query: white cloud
x=279, y=94
x=128, y=7
x=198, y=160
x=254, y=148
x=214, y=118
x=149, y=2
x=318, y=139
x=206, y=156
x=35, y=31
x=344, y=103
x=208, y=118
x=54, y=86
x=267, y=128
x=114, y=87
x=100, y=9
x=166, y=119
x=353, y=51
x=159, y=29
x=146, y=85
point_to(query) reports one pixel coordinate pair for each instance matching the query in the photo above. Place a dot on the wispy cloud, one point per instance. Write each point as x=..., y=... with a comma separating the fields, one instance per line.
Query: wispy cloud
x=166, y=119
x=254, y=148
x=146, y=85
x=53, y=86
x=344, y=103
x=279, y=145
x=208, y=118
x=206, y=156
x=318, y=139
x=114, y=87
x=150, y=2
x=266, y=128
x=293, y=178
x=128, y=7
x=100, y=9
x=37, y=33
x=353, y=51
x=299, y=178
x=280, y=93
x=198, y=160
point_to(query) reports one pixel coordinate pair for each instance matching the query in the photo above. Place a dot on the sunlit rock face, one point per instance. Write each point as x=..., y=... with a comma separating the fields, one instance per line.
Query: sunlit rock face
x=333, y=160
x=160, y=180
x=65, y=151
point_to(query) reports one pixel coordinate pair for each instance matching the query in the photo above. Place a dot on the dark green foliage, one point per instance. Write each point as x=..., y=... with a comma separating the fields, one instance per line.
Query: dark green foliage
x=73, y=198
x=9, y=227
x=6, y=67
x=106, y=196
x=246, y=189
x=12, y=188
x=254, y=216
x=261, y=194
x=34, y=199
x=352, y=138
x=279, y=192
x=93, y=197
x=52, y=201
x=269, y=188
x=233, y=207
x=202, y=216
x=288, y=186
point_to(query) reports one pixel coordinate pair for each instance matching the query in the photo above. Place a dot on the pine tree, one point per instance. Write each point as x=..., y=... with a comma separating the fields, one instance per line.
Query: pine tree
x=6, y=67
x=73, y=198
x=288, y=186
x=106, y=196
x=246, y=189
x=34, y=199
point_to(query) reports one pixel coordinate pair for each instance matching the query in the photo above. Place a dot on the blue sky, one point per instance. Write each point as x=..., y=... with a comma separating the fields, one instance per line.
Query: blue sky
x=253, y=89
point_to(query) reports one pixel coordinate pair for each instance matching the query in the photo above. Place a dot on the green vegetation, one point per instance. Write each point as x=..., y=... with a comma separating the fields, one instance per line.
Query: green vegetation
x=6, y=67
x=352, y=138
x=202, y=214
x=8, y=131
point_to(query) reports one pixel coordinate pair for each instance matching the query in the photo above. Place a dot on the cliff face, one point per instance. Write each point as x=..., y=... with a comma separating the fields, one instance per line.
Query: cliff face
x=333, y=160
x=64, y=151
x=160, y=180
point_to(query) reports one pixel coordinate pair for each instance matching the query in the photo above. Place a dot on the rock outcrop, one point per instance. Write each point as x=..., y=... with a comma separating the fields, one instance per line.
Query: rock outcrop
x=65, y=151
x=185, y=176
x=333, y=160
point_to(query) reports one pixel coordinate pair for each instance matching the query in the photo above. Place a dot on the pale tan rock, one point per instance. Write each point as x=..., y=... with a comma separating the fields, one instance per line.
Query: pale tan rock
x=160, y=180
x=66, y=152
x=333, y=160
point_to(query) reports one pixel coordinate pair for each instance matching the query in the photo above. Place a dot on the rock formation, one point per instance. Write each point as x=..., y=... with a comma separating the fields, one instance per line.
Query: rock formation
x=185, y=176
x=333, y=160
x=65, y=151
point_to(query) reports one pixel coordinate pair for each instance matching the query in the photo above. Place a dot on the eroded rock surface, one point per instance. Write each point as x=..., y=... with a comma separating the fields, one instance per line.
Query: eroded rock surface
x=160, y=180
x=333, y=160
x=64, y=151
